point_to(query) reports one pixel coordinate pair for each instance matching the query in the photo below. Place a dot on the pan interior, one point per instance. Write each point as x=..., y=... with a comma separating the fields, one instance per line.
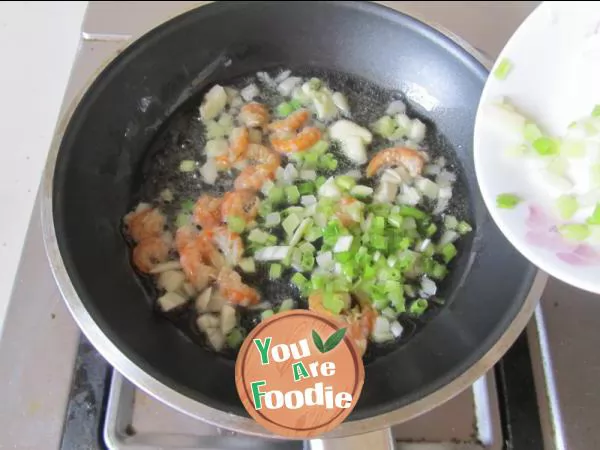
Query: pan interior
x=108, y=149
x=182, y=137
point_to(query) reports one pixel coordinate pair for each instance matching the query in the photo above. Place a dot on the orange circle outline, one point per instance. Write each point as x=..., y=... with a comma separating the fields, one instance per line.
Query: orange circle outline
x=243, y=354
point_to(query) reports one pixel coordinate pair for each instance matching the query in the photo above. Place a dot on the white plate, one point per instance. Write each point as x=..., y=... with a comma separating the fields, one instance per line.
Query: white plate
x=555, y=79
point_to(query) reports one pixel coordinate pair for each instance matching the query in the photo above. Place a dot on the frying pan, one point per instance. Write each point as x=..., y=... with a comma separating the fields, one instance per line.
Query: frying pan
x=94, y=168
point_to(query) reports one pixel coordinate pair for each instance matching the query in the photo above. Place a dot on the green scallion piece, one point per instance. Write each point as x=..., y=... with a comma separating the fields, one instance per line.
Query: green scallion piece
x=235, y=338
x=345, y=182
x=276, y=195
x=418, y=307
x=546, y=146
x=187, y=206
x=292, y=194
x=507, y=201
x=266, y=314
x=503, y=69
x=411, y=211
x=448, y=252
x=567, y=206
x=575, y=231
x=236, y=224
x=275, y=271
x=594, y=219
x=307, y=188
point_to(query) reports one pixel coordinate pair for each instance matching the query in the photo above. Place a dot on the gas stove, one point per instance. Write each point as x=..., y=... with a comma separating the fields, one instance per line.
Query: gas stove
x=61, y=394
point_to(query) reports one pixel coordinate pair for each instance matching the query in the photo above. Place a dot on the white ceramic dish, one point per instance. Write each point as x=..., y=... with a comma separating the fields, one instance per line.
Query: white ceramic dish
x=554, y=80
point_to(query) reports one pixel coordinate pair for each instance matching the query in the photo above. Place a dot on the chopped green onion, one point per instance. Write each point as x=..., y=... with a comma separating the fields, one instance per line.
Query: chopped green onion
x=418, y=307
x=432, y=228
x=503, y=69
x=327, y=162
x=395, y=220
x=286, y=108
x=258, y=236
x=384, y=126
x=182, y=219
x=596, y=111
x=567, y=206
x=381, y=303
x=247, y=265
x=276, y=195
x=300, y=230
x=345, y=182
x=379, y=242
x=360, y=191
x=594, y=219
x=334, y=302
x=507, y=201
x=307, y=262
x=266, y=314
x=320, y=181
x=187, y=165
x=595, y=174
x=450, y=222
x=290, y=224
x=275, y=271
x=273, y=219
x=410, y=211
x=187, y=206
x=292, y=194
x=299, y=281
x=286, y=305
x=236, y=224
x=235, y=338
x=573, y=149
x=438, y=271
x=319, y=148
x=575, y=231
x=546, y=146
x=313, y=234
x=265, y=208
x=448, y=252
x=464, y=227
x=531, y=132
x=307, y=188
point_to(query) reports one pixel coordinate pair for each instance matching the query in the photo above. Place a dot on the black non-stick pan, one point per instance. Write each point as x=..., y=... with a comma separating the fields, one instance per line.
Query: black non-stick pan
x=94, y=175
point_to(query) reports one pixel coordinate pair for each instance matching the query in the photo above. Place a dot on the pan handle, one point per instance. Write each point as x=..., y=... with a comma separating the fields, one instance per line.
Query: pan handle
x=375, y=440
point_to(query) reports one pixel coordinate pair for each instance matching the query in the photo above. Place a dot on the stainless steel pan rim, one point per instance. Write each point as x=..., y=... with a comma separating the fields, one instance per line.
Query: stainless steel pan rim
x=221, y=419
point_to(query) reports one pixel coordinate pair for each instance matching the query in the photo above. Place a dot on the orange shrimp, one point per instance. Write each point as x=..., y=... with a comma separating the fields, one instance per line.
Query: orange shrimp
x=184, y=235
x=207, y=211
x=234, y=290
x=360, y=327
x=292, y=122
x=150, y=252
x=252, y=178
x=230, y=244
x=196, y=270
x=254, y=115
x=302, y=141
x=242, y=203
x=413, y=160
x=208, y=251
x=144, y=222
x=238, y=143
x=261, y=155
